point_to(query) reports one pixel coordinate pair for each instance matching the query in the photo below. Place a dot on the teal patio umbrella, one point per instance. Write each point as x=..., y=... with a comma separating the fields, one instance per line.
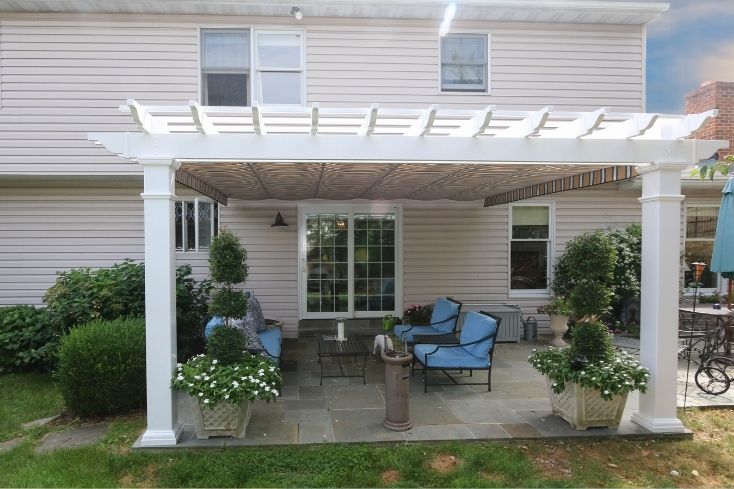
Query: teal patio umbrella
x=722, y=260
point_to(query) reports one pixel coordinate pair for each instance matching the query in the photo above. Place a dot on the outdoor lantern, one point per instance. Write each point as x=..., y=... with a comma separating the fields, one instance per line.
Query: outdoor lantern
x=279, y=222
x=698, y=270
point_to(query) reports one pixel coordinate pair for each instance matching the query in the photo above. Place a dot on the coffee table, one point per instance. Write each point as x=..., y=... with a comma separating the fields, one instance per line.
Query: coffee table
x=352, y=347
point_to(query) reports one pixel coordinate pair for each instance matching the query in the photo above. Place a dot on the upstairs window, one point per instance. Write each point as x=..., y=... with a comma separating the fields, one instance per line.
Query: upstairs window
x=465, y=63
x=279, y=67
x=225, y=67
x=232, y=76
x=530, y=246
x=197, y=222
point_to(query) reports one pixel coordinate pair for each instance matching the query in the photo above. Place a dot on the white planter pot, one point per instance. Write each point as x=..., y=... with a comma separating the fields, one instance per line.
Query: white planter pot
x=222, y=419
x=584, y=408
x=559, y=326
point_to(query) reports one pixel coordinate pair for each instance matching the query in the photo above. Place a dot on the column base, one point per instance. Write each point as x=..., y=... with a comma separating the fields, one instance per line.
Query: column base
x=161, y=438
x=659, y=425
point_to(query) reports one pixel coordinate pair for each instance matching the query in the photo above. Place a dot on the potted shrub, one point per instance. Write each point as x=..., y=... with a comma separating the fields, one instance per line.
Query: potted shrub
x=559, y=311
x=589, y=380
x=223, y=382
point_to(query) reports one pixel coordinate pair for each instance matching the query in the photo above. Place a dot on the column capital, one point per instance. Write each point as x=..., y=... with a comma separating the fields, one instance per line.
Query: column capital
x=662, y=166
x=165, y=162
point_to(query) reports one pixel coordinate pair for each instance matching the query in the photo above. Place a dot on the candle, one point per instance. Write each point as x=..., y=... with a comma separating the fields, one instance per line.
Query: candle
x=340, y=331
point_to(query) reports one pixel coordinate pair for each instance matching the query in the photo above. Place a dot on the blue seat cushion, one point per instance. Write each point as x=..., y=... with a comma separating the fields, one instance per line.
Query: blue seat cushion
x=477, y=326
x=406, y=331
x=271, y=341
x=445, y=315
x=448, y=358
x=213, y=323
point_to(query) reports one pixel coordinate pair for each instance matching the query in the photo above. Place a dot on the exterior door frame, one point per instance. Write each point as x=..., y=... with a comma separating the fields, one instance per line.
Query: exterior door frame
x=350, y=209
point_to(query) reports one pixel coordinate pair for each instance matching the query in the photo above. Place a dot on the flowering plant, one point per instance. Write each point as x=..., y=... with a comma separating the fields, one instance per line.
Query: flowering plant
x=591, y=361
x=417, y=314
x=620, y=375
x=210, y=381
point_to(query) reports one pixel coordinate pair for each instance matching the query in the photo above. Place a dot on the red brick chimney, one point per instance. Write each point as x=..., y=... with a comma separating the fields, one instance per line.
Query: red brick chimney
x=714, y=95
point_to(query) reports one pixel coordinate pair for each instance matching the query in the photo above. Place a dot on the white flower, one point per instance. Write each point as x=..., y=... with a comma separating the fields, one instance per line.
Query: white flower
x=275, y=393
x=272, y=369
x=191, y=385
x=235, y=383
x=583, y=372
x=226, y=396
x=606, y=392
x=178, y=365
x=555, y=384
x=261, y=373
x=206, y=401
x=197, y=377
x=242, y=379
x=206, y=377
x=212, y=384
x=201, y=394
x=180, y=377
x=593, y=378
x=214, y=362
x=267, y=388
x=211, y=368
x=236, y=368
x=255, y=392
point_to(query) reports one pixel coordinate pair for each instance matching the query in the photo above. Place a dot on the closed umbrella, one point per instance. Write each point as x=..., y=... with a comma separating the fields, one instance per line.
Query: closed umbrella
x=722, y=260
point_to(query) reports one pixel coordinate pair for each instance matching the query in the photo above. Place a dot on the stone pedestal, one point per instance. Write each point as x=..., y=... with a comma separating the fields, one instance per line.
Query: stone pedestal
x=397, y=391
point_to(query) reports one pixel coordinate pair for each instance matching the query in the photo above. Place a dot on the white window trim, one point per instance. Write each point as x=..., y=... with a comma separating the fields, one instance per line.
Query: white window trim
x=351, y=209
x=488, y=90
x=253, y=88
x=551, y=241
x=196, y=201
x=687, y=291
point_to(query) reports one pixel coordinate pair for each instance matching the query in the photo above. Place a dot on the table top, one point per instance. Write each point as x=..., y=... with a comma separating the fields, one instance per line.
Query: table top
x=352, y=346
x=708, y=310
x=436, y=339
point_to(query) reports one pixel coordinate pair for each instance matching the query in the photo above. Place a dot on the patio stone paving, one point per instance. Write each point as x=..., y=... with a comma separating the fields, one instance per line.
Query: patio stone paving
x=346, y=410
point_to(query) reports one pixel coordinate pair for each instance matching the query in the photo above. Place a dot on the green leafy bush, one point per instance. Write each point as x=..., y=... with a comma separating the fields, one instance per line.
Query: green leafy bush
x=228, y=267
x=626, y=276
x=102, y=367
x=592, y=340
x=28, y=340
x=558, y=305
x=227, y=345
x=82, y=295
x=585, y=272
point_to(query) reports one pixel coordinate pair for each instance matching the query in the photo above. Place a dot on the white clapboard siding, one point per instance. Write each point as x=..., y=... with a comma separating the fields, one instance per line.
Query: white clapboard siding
x=62, y=76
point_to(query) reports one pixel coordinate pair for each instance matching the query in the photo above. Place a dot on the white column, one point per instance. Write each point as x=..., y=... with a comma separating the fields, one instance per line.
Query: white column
x=661, y=236
x=160, y=301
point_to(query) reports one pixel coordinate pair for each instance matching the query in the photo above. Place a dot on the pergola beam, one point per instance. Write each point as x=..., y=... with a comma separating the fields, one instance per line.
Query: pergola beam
x=476, y=125
x=188, y=180
x=201, y=120
x=528, y=126
x=423, y=125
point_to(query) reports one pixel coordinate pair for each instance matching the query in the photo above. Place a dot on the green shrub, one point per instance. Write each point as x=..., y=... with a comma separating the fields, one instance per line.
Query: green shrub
x=102, y=367
x=626, y=276
x=82, y=295
x=585, y=272
x=591, y=339
x=28, y=340
x=228, y=267
x=227, y=345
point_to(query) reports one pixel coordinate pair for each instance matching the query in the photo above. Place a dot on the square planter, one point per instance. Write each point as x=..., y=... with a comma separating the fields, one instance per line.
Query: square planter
x=222, y=419
x=584, y=408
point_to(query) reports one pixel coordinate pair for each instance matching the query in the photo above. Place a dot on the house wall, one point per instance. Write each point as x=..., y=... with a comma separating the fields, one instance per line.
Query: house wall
x=714, y=95
x=63, y=75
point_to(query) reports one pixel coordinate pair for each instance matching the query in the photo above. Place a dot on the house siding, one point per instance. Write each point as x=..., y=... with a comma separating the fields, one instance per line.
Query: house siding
x=63, y=75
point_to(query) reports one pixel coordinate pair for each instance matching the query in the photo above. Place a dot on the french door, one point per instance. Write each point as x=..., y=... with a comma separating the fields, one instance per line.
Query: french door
x=350, y=261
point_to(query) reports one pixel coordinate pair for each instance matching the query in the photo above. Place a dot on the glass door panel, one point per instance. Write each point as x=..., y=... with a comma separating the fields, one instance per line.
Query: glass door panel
x=374, y=262
x=327, y=263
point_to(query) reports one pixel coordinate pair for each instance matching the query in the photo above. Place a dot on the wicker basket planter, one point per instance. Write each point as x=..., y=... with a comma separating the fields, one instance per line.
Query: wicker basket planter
x=584, y=408
x=222, y=419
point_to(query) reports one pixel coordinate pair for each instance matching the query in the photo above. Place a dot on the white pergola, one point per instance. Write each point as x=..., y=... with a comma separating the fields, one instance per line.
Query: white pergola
x=387, y=153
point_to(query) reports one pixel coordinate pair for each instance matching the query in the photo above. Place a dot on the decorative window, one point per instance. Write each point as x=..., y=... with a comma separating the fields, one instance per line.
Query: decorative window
x=276, y=65
x=699, y=243
x=465, y=63
x=530, y=246
x=225, y=67
x=197, y=222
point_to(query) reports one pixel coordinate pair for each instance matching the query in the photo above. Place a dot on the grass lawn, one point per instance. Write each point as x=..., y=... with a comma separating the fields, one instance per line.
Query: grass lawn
x=25, y=397
x=558, y=463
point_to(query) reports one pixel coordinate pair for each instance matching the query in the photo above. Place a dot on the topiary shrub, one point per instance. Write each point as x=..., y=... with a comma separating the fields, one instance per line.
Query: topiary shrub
x=28, y=340
x=591, y=339
x=585, y=272
x=102, y=367
x=228, y=267
x=227, y=345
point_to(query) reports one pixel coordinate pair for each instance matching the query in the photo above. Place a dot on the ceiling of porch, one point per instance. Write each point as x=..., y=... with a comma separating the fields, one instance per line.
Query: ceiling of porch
x=374, y=181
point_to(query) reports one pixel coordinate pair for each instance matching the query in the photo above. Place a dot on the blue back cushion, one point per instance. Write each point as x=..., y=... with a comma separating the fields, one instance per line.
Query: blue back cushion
x=476, y=327
x=444, y=315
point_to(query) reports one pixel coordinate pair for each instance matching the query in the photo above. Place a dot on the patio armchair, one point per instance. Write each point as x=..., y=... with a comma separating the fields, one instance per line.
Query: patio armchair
x=444, y=320
x=473, y=352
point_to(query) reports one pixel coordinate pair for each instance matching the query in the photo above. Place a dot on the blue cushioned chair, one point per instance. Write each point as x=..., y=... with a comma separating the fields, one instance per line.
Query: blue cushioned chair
x=444, y=319
x=270, y=337
x=474, y=351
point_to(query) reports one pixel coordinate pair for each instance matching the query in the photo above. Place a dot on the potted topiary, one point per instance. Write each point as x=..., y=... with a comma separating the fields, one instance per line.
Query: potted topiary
x=559, y=311
x=589, y=380
x=223, y=382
